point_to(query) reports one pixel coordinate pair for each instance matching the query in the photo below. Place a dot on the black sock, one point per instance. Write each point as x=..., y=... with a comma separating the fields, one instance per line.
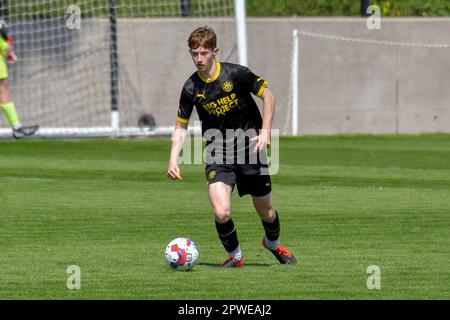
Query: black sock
x=228, y=235
x=272, y=229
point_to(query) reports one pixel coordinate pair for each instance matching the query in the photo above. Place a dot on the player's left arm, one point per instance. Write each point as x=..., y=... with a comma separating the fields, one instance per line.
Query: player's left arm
x=263, y=139
x=11, y=56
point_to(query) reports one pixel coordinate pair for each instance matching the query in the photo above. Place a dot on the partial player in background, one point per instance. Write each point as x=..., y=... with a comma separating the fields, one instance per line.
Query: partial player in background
x=221, y=93
x=7, y=55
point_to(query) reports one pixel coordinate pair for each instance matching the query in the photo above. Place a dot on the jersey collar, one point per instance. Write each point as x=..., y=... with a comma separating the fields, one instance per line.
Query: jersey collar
x=216, y=75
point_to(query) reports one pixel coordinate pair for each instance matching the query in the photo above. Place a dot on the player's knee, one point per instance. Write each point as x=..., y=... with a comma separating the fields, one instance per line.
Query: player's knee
x=4, y=91
x=222, y=215
x=4, y=84
x=268, y=214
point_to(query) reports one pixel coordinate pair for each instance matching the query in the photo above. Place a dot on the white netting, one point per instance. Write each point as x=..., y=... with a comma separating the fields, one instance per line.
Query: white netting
x=71, y=63
x=376, y=42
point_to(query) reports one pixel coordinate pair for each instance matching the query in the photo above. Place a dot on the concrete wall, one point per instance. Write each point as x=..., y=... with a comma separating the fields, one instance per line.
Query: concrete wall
x=154, y=56
x=345, y=87
x=351, y=87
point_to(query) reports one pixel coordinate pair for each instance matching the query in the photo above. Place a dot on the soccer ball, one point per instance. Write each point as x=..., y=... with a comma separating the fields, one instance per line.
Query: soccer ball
x=182, y=254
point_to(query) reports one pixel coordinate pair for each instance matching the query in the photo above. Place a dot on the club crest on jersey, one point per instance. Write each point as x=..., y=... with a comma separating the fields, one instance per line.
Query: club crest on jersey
x=227, y=86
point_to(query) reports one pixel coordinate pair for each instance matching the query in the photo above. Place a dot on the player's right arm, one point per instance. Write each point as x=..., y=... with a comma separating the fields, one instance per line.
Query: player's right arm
x=179, y=135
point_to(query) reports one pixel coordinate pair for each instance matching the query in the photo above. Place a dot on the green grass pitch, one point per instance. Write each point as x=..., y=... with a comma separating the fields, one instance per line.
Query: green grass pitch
x=106, y=205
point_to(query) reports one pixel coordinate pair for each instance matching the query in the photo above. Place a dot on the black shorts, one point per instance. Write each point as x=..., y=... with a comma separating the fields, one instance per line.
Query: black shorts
x=247, y=177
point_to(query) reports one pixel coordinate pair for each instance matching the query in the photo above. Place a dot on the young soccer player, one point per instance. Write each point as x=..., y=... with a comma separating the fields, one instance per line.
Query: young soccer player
x=221, y=93
x=7, y=55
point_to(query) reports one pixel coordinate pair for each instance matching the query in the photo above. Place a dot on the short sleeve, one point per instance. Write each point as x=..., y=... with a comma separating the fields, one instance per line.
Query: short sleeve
x=185, y=108
x=252, y=82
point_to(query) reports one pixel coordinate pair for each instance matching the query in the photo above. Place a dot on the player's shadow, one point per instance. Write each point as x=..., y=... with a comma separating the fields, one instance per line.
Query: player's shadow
x=249, y=264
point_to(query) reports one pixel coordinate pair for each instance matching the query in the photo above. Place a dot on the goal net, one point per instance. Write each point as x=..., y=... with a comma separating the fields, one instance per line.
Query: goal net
x=105, y=67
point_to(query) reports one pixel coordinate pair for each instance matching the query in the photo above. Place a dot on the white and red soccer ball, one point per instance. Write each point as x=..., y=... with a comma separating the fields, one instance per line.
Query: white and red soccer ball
x=182, y=254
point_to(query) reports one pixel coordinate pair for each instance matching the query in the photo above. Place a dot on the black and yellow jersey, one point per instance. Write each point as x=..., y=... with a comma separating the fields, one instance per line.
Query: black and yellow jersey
x=225, y=101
